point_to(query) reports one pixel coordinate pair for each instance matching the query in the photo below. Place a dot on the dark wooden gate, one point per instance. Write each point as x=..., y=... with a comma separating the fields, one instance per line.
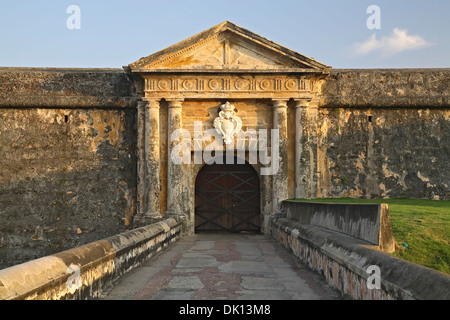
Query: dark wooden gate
x=227, y=198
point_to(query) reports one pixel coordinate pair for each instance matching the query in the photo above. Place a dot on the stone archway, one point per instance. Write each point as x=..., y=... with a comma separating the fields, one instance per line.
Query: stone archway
x=227, y=199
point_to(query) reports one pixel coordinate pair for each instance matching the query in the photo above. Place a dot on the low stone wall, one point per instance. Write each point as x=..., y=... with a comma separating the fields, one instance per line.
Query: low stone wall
x=83, y=272
x=369, y=222
x=355, y=267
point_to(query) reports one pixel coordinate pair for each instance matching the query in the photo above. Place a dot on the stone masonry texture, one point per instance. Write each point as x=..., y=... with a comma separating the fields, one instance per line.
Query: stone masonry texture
x=68, y=147
x=67, y=178
x=384, y=153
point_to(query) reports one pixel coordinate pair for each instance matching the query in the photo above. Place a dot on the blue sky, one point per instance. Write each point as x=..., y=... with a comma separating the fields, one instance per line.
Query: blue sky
x=112, y=33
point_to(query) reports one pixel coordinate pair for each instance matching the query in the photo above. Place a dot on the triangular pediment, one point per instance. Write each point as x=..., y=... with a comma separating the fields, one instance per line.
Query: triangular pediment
x=227, y=47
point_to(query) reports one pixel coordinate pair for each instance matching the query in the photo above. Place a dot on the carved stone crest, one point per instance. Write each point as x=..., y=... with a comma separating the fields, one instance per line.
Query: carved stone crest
x=227, y=123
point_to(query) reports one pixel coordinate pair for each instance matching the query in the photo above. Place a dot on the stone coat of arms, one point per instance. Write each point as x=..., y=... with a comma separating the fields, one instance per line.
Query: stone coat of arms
x=227, y=123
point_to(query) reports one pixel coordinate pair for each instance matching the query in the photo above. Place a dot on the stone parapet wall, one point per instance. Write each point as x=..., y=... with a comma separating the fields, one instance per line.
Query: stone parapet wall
x=95, y=87
x=95, y=265
x=384, y=88
x=65, y=88
x=368, y=222
x=348, y=264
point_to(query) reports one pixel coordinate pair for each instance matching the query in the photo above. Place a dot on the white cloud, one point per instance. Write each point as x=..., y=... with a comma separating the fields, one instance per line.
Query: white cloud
x=398, y=41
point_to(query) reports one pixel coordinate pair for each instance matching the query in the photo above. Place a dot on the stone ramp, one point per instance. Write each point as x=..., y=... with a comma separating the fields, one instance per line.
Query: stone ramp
x=222, y=267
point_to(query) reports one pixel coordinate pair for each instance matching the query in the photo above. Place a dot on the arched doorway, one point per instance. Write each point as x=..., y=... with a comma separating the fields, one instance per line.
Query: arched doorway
x=227, y=198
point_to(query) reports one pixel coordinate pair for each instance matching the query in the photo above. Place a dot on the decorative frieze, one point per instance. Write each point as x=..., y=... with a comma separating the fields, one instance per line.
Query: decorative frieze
x=250, y=85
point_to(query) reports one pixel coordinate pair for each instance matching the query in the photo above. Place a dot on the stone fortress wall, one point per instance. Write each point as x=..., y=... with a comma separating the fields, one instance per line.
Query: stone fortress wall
x=68, y=147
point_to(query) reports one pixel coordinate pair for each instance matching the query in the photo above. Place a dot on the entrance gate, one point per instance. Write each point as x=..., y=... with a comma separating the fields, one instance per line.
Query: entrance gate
x=227, y=198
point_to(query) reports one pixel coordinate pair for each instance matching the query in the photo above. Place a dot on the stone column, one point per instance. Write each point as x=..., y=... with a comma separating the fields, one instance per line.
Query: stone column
x=280, y=178
x=174, y=171
x=148, y=161
x=300, y=106
x=141, y=176
x=313, y=175
x=152, y=146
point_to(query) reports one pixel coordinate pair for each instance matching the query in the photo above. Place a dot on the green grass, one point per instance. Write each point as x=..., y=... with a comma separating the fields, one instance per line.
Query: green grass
x=423, y=225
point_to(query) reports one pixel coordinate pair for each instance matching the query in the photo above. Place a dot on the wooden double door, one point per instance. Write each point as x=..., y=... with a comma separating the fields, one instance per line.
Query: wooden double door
x=227, y=199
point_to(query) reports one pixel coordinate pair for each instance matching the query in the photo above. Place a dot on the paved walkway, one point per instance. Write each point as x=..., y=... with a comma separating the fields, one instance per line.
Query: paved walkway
x=222, y=267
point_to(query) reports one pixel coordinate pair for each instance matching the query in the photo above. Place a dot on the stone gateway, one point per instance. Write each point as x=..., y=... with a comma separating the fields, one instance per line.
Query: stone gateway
x=216, y=131
x=229, y=79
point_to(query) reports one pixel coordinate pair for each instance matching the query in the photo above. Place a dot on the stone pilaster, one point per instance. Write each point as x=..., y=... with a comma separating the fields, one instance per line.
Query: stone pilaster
x=148, y=166
x=313, y=174
x=141, y=176
x=300, y=107
x=280, y=178
x=174, y=170
x=152, y=158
